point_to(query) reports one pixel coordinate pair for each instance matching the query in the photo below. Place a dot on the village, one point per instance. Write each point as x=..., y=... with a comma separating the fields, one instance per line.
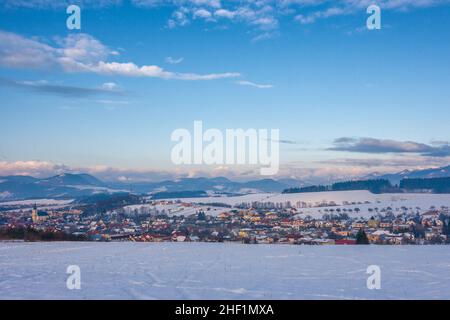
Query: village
x=250, y=223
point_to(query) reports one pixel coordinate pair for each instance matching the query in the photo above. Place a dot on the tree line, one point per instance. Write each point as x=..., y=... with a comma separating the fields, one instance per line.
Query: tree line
x=434, y=185
x=375, y=186
x=30, y=234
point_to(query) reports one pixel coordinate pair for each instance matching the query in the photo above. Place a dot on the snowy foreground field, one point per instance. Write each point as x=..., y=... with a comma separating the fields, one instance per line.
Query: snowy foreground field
x=221, y=271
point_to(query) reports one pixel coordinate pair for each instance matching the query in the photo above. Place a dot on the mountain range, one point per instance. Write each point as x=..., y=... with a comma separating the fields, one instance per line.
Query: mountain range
x=62, y=186
x=219, y=185
x=395, y=178
x=70, y=186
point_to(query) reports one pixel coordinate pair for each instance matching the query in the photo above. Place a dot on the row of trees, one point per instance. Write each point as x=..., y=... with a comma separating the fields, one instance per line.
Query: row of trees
x=375, y=186
x=30, y=234
x=446, y=227
x=435, y=185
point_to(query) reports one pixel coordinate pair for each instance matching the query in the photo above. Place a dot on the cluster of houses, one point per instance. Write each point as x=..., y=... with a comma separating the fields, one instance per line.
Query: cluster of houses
x=177, y=221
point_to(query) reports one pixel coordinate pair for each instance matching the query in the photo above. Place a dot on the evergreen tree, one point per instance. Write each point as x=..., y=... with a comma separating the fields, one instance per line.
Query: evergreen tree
x=445, y=224
x=361, y=237
x=446, y=229
x=201, y=216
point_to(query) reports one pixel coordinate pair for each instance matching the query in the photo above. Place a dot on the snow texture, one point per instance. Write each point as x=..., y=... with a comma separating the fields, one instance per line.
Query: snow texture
x=358, y=198
x=221, y=271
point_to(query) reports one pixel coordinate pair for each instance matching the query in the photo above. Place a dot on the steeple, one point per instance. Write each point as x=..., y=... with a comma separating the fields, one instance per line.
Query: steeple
x=34, y=213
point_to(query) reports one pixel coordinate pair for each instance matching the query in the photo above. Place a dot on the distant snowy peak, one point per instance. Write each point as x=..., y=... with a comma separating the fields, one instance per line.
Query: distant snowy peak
x=395, y=178
x=67, y=179
x=218, y=185
x=59, y=187
x=70, y=185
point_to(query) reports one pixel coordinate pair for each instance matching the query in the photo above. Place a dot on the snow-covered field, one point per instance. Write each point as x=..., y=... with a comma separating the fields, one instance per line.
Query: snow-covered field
x=39, y=202
x=221, y=271
x=176, y=209
x=339, y=197
x=344, y=199
x=43, y=204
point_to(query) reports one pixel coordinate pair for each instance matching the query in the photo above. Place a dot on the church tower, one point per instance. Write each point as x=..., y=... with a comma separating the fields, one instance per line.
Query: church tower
x=34, y=214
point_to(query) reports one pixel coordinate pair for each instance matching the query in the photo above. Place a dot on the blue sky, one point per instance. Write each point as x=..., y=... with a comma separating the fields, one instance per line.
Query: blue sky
x=105, y=99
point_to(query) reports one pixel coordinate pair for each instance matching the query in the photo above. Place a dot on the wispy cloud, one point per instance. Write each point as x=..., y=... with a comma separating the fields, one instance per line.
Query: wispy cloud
x=324, y=171
x=259, y=13
x=42, y=86
x=285, y=141
x=83, y=53
x=262, y=16
x=111, y=86
x=255, y=85
x=113, y=102
x=33, y=167
x=372, y=145
x=327, y=13
x=265, y=36
x=43, y=169
x=174, y=60
x=390, y=163
x=57, y=4
x=329, y=9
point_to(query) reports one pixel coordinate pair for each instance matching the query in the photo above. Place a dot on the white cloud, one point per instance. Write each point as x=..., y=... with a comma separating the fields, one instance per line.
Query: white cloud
x=255, y=85
x=223, y=13
x=244, y=10
x=174, y=60
x=265, y=36
x=113, y=102
x=32, y=168
x=330, y=12
x=179, y=18
x=265, y=14
x=59, y=89
x=82, y=47
x=316, y=172
x=266, y=23
x=110, y=86
x=57, y=4
x=202, y=13
x=346, y=7
x=83, y=53
x=17, y=51
x=132, y=70
x=44, y=169
x=260, y=15
x=197, y=3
